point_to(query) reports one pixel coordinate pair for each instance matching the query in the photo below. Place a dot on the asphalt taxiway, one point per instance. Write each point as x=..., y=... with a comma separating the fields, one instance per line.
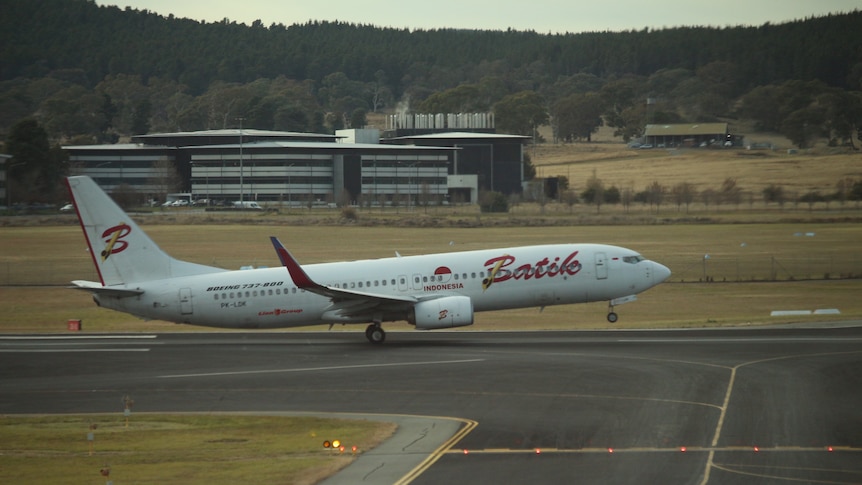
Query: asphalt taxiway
x=772, y=405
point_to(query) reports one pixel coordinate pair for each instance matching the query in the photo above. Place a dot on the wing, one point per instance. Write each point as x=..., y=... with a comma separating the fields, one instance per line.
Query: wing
x=345, y=303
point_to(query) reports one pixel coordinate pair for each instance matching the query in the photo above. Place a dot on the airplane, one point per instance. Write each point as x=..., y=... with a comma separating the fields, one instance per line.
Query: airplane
x=434, y=291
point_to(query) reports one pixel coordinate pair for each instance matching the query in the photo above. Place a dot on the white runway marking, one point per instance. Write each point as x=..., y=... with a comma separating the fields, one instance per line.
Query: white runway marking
x=57, y=351
x=313, y=369
x=76, y=337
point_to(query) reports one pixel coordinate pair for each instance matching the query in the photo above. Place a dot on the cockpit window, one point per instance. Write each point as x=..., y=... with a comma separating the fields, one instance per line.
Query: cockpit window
x=633, y=259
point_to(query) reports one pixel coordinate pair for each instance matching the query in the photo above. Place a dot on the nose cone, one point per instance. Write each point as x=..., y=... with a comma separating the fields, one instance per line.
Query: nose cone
x=660, y=272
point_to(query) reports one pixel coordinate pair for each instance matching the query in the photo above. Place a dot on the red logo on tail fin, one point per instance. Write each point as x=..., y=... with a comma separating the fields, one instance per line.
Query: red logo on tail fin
x=113, y=238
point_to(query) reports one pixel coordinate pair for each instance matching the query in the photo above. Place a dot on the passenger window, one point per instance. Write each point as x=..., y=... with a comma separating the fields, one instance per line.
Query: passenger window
x=216, y=296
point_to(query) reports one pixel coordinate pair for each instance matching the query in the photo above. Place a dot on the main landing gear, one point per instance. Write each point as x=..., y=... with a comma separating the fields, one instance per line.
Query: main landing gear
x=612, y=317
x=375, y=334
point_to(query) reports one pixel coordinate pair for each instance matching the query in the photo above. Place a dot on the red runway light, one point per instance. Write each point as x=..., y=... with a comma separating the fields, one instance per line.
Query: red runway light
x=538, y=451
x=466, y=452
x=610, y=450
x=756, y=449
x=829, y=449
x=682, y=449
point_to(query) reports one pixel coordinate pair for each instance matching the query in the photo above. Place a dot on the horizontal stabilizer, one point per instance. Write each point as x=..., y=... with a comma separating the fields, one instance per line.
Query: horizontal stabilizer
x=97, y=288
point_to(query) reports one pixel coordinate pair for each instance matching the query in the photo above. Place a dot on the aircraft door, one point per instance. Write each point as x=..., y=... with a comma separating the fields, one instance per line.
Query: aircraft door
x=186, y=301
x=601, y=266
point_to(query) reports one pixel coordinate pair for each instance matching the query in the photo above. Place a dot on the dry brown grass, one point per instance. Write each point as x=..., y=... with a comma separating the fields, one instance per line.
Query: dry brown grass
x=615, y=164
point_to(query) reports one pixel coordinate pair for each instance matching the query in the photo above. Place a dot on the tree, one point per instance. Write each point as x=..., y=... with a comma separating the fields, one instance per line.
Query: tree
x=358, y=118
x=490, y=201
x=774, y=193
x=165, y=179
x=520, y=113
x=569, y=197
x=730, y=192
x=683, y=193
x=578, y=116
x=655, y=194
x=462, y=99
x=125, y=196
x=36, y=168
x=803, y=125
x=595, y=192
x=621, y=110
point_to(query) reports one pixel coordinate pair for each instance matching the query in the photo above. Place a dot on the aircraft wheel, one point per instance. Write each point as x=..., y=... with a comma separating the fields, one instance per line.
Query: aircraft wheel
x=612, y=317
x=375, y=334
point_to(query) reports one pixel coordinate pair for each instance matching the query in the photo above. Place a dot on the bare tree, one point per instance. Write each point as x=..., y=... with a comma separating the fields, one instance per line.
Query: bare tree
x=165, y=179
x=683, y=193
x=731, y=193
x=656, y=192
x=569, y=197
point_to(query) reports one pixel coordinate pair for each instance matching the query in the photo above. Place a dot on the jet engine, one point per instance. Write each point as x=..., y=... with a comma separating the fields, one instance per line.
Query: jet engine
x=446, y=312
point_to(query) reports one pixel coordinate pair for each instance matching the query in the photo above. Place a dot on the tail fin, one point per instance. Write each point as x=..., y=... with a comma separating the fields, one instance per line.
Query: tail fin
x=121, y=251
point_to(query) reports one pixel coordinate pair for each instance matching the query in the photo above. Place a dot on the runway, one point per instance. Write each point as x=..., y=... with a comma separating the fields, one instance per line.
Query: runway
x=736, y=406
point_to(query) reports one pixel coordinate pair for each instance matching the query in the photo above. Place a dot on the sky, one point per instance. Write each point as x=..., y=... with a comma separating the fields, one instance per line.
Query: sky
x=542, y=16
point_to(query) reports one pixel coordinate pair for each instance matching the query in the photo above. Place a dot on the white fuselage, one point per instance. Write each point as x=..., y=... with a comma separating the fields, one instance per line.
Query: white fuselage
x=496, y=279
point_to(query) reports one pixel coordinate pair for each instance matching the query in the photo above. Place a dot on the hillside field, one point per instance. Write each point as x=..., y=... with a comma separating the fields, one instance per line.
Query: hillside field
x=797, y=171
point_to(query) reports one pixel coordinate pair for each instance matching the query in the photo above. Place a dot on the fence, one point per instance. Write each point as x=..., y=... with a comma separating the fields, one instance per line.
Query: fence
x=765, y=268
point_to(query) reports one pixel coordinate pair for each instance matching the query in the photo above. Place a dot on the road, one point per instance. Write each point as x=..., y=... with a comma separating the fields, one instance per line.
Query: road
x=736, y=406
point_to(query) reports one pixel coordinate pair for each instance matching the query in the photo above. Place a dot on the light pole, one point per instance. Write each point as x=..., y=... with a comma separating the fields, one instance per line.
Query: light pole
x=241, y=188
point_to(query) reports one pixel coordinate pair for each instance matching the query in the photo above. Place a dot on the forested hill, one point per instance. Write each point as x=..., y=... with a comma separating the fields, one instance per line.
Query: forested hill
x=38, y=37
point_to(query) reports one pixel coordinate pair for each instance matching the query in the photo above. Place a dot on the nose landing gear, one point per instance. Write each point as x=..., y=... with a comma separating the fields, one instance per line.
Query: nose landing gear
x=613, y=317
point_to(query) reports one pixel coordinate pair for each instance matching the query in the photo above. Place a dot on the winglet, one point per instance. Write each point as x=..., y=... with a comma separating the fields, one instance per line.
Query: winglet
x=297, y=274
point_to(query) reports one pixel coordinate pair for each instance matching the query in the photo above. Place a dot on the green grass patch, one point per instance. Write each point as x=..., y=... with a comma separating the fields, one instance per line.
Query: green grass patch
x=189, y=449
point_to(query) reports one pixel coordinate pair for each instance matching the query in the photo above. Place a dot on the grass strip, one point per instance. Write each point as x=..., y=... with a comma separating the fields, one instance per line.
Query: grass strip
x=188, y=449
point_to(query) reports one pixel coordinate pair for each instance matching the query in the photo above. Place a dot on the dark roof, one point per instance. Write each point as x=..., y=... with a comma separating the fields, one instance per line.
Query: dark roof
x=229, y=136
x=694, y=129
